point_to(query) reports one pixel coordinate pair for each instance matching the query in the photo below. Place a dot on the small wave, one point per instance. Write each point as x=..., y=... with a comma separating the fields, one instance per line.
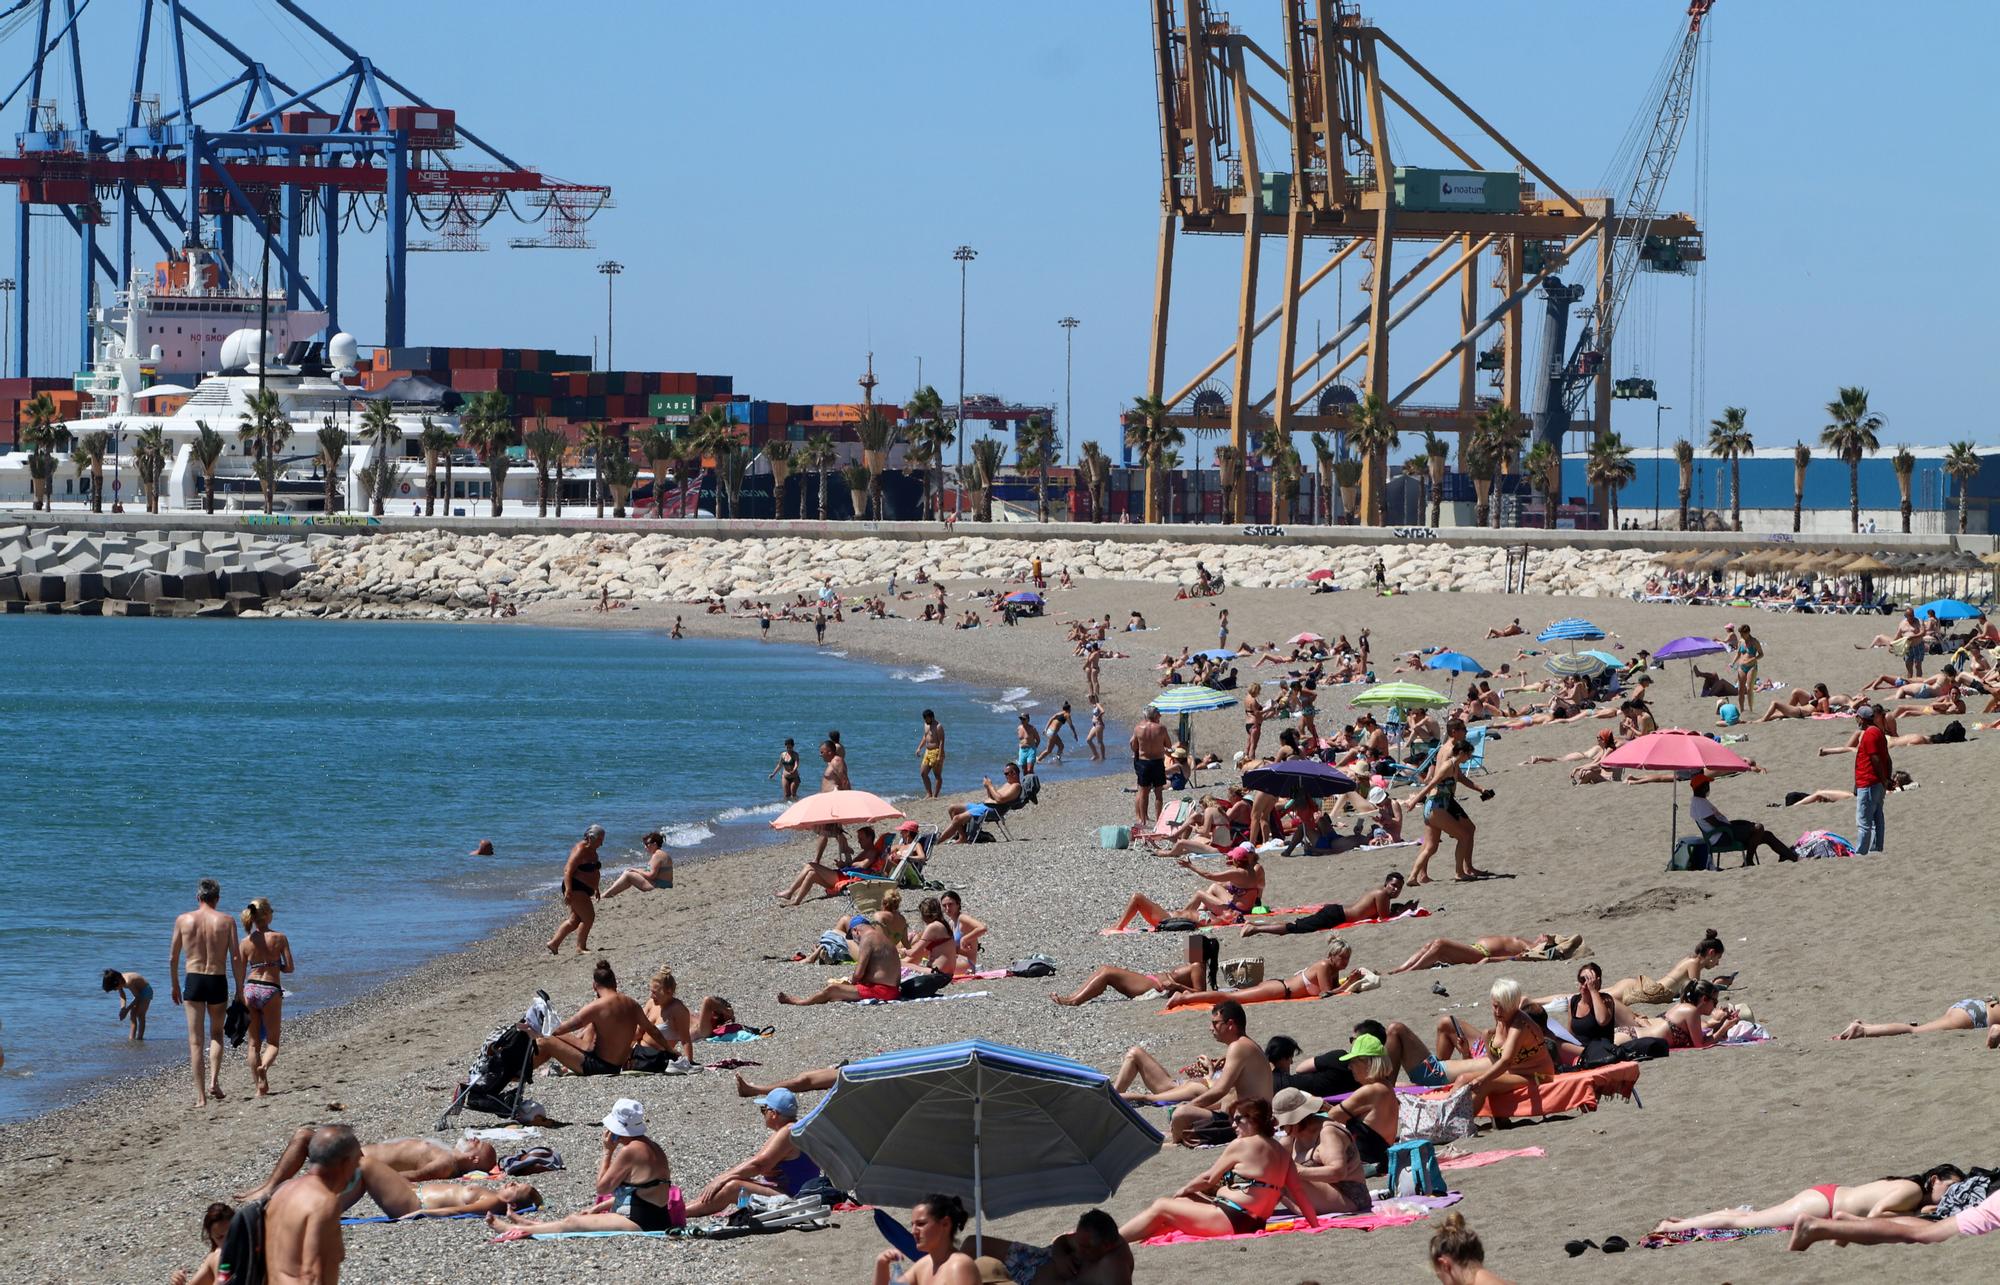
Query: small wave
x=838, y=655
x=928, y=674
x=686, y=835
x=739, y=814
x=1012, y=701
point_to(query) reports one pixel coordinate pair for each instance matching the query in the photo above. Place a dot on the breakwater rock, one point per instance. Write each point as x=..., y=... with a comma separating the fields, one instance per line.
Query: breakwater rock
x=147, y=572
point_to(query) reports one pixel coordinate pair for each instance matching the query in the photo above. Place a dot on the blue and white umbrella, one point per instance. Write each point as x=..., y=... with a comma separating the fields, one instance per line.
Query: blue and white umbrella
x=1947, y=609
x=1456, y=661
x=1610, y=661
x=1188, y=699
x=1570, y=630
x=1584, y=663
x=1004, y=1127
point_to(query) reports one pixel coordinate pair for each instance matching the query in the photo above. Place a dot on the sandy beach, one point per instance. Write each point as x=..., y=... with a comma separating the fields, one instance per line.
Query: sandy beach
x=111, y=1189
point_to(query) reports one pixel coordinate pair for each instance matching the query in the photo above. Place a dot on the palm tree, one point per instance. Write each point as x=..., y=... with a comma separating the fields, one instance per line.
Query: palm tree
x=1961, y=465
x=1729, y=439
x=1324, y=458
x=88, y=456
x=381, y=431
x=988, y=456
x=1504, y=431
x=930, y=435
x=545, y=446
x=1286, y=469
x=598, y=442
x=489, y=430
x=876, y=435
x=1095, y=466
x=333, y=443
x=1850, y=436
x=1684, y=457
x=436, y=443
x=732, y=463
x=619, y=473
x=1905, y=464
x=207, y=449
x=856, y=476
x=1371, y=431
x=967, y=477
x=1229, y=472
x=1609, y=468
x=1543, y=469
x=779, y=456
x=1436, y=452
x=1347, y=476
x=817, y=457
x=656, y=446
x=150, y=455
x=1476, y=458
x=1035, y=446
x=1801, y=456
x=1147, y=430
x=264, y=430
x=43, y=437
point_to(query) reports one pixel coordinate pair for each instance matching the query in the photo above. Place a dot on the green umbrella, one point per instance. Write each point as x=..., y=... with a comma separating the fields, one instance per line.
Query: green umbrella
x=1402, y=695
x=1189, y=699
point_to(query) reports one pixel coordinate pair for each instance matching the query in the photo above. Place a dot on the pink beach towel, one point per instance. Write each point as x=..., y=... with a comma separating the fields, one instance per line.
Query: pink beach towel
x=1480, y=1159
x=1350, y=1222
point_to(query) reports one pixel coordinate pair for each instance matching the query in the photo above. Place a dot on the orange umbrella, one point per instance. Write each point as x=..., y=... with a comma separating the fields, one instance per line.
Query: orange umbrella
x=835, y=807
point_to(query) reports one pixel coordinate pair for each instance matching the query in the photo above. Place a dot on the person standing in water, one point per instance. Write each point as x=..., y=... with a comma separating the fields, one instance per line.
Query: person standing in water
x=1095, y=737
x=930, y=756
x=1052, y=733
x=788, y=767
x=208, y=938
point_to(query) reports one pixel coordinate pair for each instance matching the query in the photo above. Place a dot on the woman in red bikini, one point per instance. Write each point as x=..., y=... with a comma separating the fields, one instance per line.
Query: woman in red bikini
x=1238, y=1192
x=1865, y=1200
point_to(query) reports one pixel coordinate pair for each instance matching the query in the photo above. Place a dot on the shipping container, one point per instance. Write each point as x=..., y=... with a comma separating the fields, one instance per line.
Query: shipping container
x=1274, y=193
x=1476, y=191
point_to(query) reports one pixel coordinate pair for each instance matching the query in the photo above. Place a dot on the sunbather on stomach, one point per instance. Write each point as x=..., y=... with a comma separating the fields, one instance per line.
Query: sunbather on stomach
x=1442, y=952
x=1965, y=1015
x=1694, y=1023
x=1863, y=1200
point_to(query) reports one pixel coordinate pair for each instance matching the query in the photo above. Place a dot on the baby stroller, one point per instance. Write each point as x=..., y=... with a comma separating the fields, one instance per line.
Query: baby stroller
x=507, y=1057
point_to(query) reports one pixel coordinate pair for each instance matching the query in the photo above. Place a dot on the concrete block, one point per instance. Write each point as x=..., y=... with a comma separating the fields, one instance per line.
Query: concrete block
x=94, y=607
x=42, y=588
x=116, y=608
x=120, y=584
x=181, y=560
x=36, y=558
x=10, y=589
x=14, y=607
x=154, y=552
x=243, y=582
x=172, y=607
x=200, y=584
x=83, y=586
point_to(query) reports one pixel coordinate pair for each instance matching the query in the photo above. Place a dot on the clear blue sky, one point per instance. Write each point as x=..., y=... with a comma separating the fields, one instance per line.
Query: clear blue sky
x=792, y=178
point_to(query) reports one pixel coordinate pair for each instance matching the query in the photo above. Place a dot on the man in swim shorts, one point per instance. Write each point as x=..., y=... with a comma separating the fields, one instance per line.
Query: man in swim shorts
x=208, y=938
x=878, y=971
x=1093, y=1254
x=930, y=756
x=1149, y=764
x=615, y=1021
x=1376, y=903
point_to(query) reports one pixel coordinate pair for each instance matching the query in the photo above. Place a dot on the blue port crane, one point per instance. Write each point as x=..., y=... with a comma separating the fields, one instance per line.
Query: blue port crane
x=185, y=163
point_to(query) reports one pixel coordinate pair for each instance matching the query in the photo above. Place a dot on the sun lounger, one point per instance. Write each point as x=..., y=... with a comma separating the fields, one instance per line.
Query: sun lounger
x=1172, y=817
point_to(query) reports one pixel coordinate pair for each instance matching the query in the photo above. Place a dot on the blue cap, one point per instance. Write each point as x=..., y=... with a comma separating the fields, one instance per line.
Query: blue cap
x=783, y=1101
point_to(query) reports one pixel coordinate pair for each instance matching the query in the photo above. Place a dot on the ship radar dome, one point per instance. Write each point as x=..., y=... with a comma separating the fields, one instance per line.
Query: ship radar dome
x=343, y=352
x=240, y=350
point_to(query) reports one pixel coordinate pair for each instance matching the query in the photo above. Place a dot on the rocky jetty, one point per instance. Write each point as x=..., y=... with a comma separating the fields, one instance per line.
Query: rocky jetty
x=148, y=572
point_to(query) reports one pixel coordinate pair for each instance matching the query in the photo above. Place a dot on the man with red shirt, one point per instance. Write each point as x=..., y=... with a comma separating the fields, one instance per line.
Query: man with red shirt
x=1871, y=780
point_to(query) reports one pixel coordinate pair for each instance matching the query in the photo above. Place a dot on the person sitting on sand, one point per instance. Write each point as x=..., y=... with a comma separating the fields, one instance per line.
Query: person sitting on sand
x=878, y=971
x=1377, y=903
x=778, y=1168
x=1965, y=1015
x=657, y=873
x=1442, y=952
x=131, y=1010
x=633, y=1182
x=1695, y=1022
x=935, y=946
x=1237, y=1194
x=1705, y=956
x=1511, y=629
x=934, y=1228
x=827, y=879
x=1747, y=833
x=1862, y=1200
x=963, y=814
x=966, y=931
x=1328, y=1162
x=214, y=1226
x=1205, y=1100
x=416, y=1159
x=615, y=1021
x=1230, y=895
x=1516, y=1049
x=665, y=1010
x=1457, y=1257
x=1328, y=976
x=1093, y=1254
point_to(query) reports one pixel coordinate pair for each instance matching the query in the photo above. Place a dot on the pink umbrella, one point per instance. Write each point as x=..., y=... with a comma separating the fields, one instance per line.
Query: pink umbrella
x=1675, y=749
x=1324, y=573
x=1308, y=637
x=835, y=807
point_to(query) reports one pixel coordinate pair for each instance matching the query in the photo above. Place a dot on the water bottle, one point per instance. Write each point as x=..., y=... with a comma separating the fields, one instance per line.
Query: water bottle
x=1406, y=1181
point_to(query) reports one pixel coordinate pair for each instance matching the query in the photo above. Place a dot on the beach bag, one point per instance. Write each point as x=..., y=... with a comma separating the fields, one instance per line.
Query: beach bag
x=1436, y=1120
x=1692, y=854
x=1113, y=837
x=1821, y=844
x=1643, y=1050
x=1238, y=973
x=1176, y=924
x=1032, y=966
x=923, y=985
x=1964, y=1194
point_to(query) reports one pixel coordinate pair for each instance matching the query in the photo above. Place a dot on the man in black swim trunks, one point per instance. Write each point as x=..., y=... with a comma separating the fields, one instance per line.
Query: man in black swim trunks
x=208, y=938
x=613, y=1018
x=1149, y=764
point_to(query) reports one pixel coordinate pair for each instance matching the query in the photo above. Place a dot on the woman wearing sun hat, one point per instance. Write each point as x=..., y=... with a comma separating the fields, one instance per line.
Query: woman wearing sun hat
x=635, y=1190
x=1328, y=1162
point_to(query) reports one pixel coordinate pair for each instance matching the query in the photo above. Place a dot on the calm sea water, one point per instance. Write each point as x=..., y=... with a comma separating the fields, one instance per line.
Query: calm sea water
x=345, y=771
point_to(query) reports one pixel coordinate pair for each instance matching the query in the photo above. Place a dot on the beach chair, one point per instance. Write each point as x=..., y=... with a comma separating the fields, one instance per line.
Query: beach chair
x=1477, y=763
x=1031, y=792
x=1172, y=817
x=1700, y=852
x=1412, y=773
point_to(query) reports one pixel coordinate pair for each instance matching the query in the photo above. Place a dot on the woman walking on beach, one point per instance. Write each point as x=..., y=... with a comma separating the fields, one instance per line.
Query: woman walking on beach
x=1443, y=814
x=133, y=1010
x=266, y=955
x=1253, y=719
x=579, y=890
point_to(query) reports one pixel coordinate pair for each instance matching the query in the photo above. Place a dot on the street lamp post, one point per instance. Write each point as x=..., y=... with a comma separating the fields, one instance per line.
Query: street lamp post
x=1069, y=325
x=610, y=268
x=963, y=255
x=1658, y=410
x=6, y=323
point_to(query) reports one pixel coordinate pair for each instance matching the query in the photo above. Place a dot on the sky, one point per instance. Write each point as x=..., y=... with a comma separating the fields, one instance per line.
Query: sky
x=791, y=180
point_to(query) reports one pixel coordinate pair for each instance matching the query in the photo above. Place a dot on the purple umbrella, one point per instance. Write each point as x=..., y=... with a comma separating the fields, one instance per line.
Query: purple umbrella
x=1688, y=648
x=1299, y=778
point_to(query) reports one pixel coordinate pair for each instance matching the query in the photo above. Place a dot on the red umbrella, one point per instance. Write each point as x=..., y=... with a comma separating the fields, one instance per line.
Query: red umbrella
x=1323, y=573
x=1676, y=749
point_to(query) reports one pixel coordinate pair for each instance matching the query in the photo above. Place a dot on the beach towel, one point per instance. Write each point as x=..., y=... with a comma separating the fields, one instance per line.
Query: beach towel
x=594, y=1235
x=741, y=1035
x=383, y=1220
x=928, y=999
x=1400, y=1212
x=505, y=1133
x=1570, y=1091
x=1418, y=913
x=1665, y=1239
x=1480, y=1159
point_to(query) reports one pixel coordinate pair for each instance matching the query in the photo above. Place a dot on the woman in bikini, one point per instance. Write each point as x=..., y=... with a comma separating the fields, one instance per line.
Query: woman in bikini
x=1441, y=952
x=1801, y=703
x=935, y=947
x=1695, y=1022
x=1607, y=741
x=1253, y=719
x=266, y=955
x=1594, y=1017
x=1644, y=990
x=1748, y=653
x=1443, y=814
x=1328, y=976
x=1965, y=1015
x=965, y=930
x=579, y=890
x=1094, y=738
x=1237, y=1193
x=1517, y=1052
x=657, y=873
x=633, y=1182
x=1863, y=1200
x=788, y=767
x=1232, y=893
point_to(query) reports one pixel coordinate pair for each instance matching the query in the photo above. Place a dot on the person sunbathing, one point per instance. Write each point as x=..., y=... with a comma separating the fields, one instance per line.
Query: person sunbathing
x=778, y=1168
x=633, y=1182
x=1442, y=952
x=878, y=972
x=1093, y=1254
x=1512, y=629
x=1897, y=1229
x=1328, y=1162
x=1376, y=903
x=1236, y=1194
x=1885, y=718
x=1862, y=1200
x=1229, y=896
x=445, y=1198
x=1695, y=1022
x=615, y=1021
x=1328, y=976
x=828, y=879
x=1517, y=1051
x=936, y=947
x=1888, y=687
x=1213, y=1088
x=1965, y=1015
x=1605, y=743
x=665, y=1010
x=1803, y=704
x=1712, y=685
x=1898, y=780
x=416, y=1159
x=1644, y=990
x=657, y=873
x=997, y=796
x=1202, y=952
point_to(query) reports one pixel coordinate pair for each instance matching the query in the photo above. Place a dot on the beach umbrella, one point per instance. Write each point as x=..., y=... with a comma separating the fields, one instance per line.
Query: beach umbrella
x=1324, y=573
x=835, y=807
x=1575, y=663
x=1401, y=696
x=1869, y=565
x=1947, y=609
x=1676, y=749
x=1454, y=663
x=1610, y=661
x=1002, y=1127
x=1571, y=630
x=1688, y=648
x=1299, y=778
x=1307, y=637
x=1187, y=700
x=1025, y=596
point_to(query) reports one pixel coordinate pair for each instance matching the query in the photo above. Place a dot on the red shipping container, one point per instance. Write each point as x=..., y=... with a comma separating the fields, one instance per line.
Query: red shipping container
x=469, y=380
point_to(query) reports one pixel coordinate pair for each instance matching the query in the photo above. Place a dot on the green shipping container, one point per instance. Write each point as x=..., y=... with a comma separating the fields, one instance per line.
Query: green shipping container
x=670, y=406
x=1460, y=191
x=1274, y=193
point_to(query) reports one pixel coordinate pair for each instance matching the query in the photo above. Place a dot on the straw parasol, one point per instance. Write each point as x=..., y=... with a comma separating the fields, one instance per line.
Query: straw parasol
x=1869, y=565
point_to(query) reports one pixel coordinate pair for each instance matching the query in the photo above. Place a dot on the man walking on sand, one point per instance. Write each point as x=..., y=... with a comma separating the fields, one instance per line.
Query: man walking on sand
x=930, y=756
x=208, y=938
x=302, y=1238
x=1149, y=762
x=1872, y=770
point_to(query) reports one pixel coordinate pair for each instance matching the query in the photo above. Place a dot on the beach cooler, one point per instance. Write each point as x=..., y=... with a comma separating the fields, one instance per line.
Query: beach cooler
x=1114, y=836
x=1417, y=1158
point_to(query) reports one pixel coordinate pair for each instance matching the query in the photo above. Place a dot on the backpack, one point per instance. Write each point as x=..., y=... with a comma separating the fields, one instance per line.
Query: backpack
x=1032, y=966
x=240, y=1261
x=1953, y=734
x=923, y=985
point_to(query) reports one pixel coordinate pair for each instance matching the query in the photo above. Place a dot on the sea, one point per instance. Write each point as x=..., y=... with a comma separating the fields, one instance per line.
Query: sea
x=346, y=771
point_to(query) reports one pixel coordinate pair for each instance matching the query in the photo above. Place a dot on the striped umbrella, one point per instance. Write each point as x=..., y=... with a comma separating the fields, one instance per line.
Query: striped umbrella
x=1571, y=630
x=1610, y=661
x=1401, y=695
x=1583, y=663
x=1189, y=699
